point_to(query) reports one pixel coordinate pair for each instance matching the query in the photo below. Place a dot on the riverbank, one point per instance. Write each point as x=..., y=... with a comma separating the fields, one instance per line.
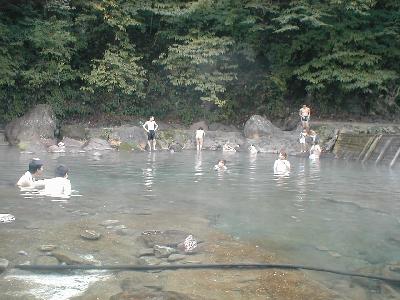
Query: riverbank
x=122, y=247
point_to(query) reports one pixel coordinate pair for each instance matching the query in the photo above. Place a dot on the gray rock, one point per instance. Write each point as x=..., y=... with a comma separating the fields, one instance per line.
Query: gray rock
x=22, y=252
x=46, y=260
x=33, y=130
x=72, y=143
x=97, y=144
x=74, y=131
x=176, y=147
x=163, y=251
x=146, y=252
x=258, y=126
x=71, y=258
x=90, y=235
x=149, y=261
x=119, y=227
x=176, y=257
x=170, y=238
x=46, y=248
x=291, y=122
x=3, y=264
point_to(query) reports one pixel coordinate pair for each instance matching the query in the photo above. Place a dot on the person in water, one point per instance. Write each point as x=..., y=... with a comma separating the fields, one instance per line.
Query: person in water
x=28, y=180
x=282, y=165
x=60, y=185
x=151, y=126
x=304, y=114
x=221, y=165
x=200, y=138
x=302, y=140
x=315, y=151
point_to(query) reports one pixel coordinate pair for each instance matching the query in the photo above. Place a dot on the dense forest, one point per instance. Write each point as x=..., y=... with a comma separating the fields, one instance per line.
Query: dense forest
x=219, y=60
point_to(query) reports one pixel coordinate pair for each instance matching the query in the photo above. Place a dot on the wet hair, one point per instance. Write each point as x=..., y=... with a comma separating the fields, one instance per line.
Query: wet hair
x=35, y=165
x=283, y=153
x=222, y=160
x=200, y=128
x=61, y=171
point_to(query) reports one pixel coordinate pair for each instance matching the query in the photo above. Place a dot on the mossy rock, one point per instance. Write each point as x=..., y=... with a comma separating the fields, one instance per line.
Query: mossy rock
x=124, y=146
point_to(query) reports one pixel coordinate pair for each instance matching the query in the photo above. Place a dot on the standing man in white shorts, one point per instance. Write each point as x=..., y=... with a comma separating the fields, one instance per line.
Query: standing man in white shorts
x=151, y=132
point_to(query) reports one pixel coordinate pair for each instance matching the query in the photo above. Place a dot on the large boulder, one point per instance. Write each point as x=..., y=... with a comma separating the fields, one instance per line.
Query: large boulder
x=74, y=131
x=28, y=131
x=96, y=144
x=258, y=126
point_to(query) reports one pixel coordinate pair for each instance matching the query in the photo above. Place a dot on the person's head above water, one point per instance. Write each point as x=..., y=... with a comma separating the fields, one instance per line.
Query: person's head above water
x=282, y=155
x=61, y=171
x=221, y=163
x=151, y=118
x=35, y=166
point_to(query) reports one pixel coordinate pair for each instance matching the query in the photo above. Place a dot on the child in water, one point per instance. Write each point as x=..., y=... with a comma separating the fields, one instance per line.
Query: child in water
x=315, y=151
x=302, y=141
x=221, y=165
x=282, y=165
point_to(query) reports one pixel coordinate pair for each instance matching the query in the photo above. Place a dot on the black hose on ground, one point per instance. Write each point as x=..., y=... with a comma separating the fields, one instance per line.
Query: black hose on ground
x=198, y=266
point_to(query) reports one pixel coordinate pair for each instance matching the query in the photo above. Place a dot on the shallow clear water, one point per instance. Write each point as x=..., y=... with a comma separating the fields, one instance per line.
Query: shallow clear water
x=331, y=213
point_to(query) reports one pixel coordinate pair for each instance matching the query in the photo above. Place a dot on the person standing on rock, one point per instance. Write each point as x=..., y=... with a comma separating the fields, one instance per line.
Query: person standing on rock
x=28, y=180
x=200, y=138
x=151, y=132
x=304, y=114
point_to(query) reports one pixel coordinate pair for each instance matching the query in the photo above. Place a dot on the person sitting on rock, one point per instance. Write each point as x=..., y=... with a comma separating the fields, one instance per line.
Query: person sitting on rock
x=28, y=180
x=282, y=165
x=221, y=165
x=59, y=185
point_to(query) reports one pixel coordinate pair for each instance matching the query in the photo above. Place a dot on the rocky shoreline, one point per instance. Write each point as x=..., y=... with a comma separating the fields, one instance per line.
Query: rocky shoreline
x=36, y=132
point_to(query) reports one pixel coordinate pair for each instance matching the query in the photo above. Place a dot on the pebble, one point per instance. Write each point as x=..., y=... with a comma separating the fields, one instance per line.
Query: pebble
x=22, y=252
x=334, y=254
x=46, y=248
x=90, y=235
x=146, y=252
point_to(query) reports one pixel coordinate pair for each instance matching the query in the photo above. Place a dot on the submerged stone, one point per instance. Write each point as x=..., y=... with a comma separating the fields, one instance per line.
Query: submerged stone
x=90, y=235
x=3, y=264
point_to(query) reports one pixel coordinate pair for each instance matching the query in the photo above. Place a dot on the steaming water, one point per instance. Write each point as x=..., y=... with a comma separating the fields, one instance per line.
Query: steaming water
x=331, y=213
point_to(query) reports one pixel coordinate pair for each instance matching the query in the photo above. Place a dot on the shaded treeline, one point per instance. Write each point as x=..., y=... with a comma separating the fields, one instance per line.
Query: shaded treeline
x=216, y=60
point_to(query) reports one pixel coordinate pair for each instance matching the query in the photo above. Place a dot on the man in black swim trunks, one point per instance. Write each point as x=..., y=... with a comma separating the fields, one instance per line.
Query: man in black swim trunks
x=305, y=116
x=151, y=132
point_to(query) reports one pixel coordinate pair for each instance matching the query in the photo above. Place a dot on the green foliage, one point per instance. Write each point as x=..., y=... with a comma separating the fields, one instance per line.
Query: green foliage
x=172, y=57
x=118, y=71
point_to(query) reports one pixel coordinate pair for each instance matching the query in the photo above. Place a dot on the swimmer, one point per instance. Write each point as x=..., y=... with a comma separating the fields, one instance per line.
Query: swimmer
x=28, y=180
x=252, y=149
x=315, y=151
x=59, y=185
x=200, y=138
x=152, y=126
x=304, y=114
x=282, y=165
x=221, y=165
